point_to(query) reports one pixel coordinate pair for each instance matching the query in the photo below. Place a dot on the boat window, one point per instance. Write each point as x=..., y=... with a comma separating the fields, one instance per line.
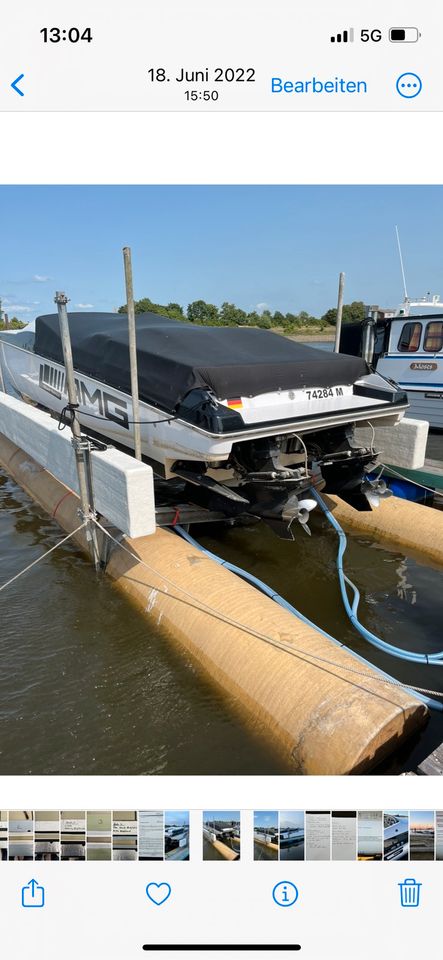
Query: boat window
x=433, y=336
x=410, y=338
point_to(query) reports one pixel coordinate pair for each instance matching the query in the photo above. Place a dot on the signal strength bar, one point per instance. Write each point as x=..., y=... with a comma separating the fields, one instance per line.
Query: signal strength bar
x=347, y=36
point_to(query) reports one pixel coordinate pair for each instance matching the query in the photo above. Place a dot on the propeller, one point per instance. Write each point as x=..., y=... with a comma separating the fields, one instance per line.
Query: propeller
x=294, y=509
x=305, y=507
x=375, y=490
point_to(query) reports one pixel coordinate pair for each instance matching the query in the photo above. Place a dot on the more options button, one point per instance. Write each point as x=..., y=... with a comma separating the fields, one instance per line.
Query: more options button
x=409, y=85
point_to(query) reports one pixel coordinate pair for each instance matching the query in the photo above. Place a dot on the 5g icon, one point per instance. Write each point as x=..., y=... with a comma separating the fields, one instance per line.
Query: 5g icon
x=367, y=35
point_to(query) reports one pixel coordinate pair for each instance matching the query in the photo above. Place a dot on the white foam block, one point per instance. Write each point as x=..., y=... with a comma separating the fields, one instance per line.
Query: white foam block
x=401, y=445
x=123, y=487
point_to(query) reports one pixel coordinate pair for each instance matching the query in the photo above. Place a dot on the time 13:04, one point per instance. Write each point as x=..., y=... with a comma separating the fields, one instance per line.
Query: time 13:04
x=72, y=34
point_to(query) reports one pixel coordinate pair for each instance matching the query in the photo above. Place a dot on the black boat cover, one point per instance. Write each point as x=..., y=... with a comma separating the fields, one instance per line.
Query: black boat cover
x=175, y=357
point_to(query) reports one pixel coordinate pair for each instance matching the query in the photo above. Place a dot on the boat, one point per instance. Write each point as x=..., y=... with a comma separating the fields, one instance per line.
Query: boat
x=176, y=838
x=396, y=837
x=247, y=420
x=291, y=836
x=406, y=347
x=266, y=834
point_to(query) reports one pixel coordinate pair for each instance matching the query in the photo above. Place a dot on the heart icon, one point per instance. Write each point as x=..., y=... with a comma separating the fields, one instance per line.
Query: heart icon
x=158, y=892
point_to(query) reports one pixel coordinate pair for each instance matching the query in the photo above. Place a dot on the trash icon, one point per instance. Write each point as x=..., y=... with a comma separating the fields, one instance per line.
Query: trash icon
x=410, y=893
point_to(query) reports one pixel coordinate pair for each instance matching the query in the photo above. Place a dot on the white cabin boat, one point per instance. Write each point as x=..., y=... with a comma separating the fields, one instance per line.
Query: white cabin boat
x=405, y=346
x=414, y=358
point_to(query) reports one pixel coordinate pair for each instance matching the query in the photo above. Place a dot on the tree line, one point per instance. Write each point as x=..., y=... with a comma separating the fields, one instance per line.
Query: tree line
x=229, y=315
x=13, y=324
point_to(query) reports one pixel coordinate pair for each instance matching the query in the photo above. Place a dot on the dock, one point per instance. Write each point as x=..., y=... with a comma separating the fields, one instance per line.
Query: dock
x=432, y=766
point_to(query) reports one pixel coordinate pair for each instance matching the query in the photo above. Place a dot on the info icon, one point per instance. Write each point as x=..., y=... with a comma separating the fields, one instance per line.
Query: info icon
x=285, y=893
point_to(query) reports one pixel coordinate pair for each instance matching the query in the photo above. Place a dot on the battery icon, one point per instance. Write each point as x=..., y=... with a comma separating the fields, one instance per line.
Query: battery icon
x=404, y=34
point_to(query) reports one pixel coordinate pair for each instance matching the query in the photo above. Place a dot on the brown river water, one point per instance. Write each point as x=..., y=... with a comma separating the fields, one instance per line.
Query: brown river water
x=88, y=687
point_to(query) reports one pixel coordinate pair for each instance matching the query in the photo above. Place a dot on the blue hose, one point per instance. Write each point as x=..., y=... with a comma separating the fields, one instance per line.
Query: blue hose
x=433, y=659
x=269, y=592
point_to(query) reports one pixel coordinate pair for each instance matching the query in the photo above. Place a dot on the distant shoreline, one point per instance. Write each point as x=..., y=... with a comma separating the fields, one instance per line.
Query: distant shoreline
x=308, y=337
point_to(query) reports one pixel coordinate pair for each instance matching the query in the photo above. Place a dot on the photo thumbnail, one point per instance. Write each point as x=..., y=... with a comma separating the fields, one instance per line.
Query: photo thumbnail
x=221, y=835
x=266, y=835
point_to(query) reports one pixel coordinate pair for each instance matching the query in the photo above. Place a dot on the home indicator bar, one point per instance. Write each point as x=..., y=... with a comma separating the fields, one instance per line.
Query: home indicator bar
x=219, y=947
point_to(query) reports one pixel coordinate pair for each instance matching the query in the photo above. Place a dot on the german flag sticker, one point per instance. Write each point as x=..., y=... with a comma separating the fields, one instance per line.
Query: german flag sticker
x=236, y=403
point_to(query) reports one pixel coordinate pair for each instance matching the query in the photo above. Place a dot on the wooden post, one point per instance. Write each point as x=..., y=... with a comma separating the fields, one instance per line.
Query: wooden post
x=341, y=288
x=132, y=352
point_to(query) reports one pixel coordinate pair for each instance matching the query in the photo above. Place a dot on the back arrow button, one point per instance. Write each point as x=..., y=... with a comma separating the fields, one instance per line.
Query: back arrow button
x=15, y=87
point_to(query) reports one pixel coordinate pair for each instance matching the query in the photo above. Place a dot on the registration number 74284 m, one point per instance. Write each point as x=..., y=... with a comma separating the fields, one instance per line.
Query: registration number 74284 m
x=321, y=393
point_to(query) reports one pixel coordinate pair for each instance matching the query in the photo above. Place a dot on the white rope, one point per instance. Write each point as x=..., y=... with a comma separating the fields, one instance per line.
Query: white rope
x=279, y=644
x=371, y=425
x=43, y=557
x=408, y=479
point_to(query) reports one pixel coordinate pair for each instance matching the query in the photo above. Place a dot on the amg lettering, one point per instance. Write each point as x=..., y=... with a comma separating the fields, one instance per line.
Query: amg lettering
x=119, y=414
x=103, y=402
x=92, y=398
x=107, y=405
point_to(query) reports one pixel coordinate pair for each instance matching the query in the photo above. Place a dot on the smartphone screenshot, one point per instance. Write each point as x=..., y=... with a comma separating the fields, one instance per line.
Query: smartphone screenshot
x=221, y=480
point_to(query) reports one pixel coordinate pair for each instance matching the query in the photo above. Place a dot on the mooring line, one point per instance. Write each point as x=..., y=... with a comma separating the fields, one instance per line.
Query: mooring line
x=194, y=602
x=43, y=556
x=415, y=483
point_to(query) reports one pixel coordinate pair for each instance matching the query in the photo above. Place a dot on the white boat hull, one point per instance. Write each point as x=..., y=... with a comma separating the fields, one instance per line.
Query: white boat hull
x=426, y=405
x=108, y=411
x=260, y=458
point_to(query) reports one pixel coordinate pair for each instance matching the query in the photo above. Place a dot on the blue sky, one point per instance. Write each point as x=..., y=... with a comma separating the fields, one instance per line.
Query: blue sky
x=276, y=247
x=422, y=818
x=176, y=816
x=266, y=818
x=228, y=815
x=292, y=818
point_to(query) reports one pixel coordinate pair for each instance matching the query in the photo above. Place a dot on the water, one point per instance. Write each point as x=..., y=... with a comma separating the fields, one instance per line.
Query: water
x=261, y=852
x=295, y=851
x=401, y=599
x=87, y=686
x=316, y=342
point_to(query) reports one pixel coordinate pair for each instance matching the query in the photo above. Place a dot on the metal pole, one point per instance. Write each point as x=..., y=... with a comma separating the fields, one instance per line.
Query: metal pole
x=341, y=288
x=2, y=381
x=132, y=352
x=369, y=334
x=80, y=444
x=401, y=263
